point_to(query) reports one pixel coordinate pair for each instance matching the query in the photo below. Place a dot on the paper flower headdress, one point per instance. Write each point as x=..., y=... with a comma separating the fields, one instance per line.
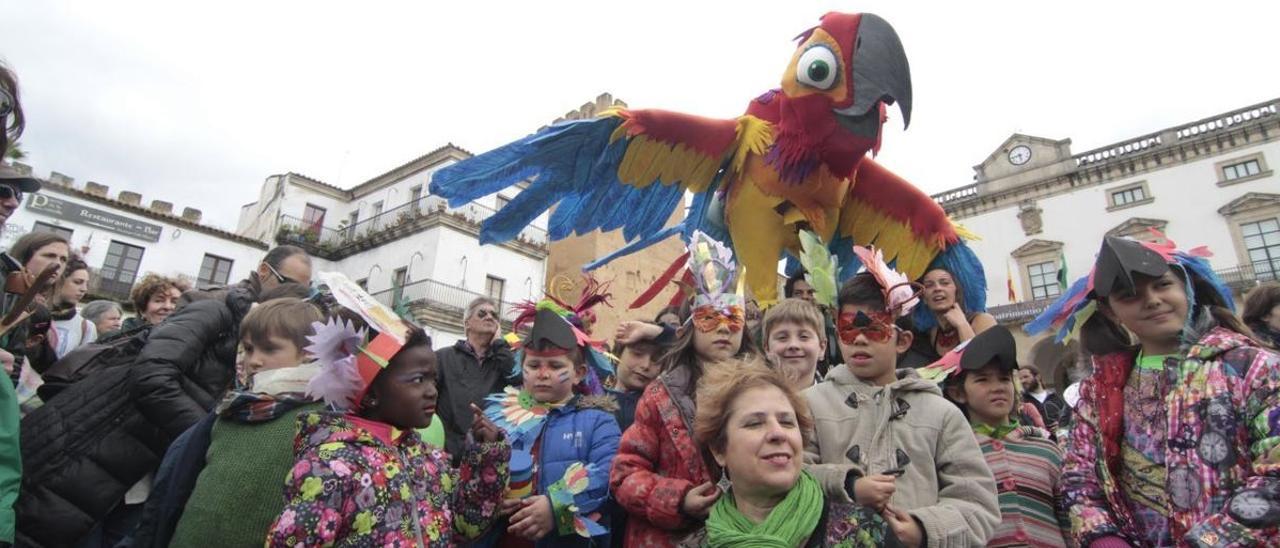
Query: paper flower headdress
x=348, y=361
x=1118, y=261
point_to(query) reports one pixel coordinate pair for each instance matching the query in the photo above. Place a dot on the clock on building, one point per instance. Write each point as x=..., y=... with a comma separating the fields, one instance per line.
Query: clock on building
x=1020, y=154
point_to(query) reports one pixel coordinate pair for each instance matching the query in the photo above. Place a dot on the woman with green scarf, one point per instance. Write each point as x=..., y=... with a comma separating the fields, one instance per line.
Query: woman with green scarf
x=753, y=425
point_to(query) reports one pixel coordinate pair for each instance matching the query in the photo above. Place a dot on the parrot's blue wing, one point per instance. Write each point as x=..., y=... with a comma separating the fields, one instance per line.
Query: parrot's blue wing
x=627, y=171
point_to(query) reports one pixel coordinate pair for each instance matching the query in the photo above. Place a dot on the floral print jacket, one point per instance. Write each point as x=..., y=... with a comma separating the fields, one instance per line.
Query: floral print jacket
x=357, y=482
x=1223, y=444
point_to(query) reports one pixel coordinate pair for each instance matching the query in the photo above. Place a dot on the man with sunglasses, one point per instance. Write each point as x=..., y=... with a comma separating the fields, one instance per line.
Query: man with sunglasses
x=479, y=365
x=886, y=438
x=285, y=264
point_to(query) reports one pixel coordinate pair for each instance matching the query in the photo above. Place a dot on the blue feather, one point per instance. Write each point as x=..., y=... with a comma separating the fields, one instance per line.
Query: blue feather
x=572, y=167
x=1045, y=320
x=635, y=246
x=1200, y=267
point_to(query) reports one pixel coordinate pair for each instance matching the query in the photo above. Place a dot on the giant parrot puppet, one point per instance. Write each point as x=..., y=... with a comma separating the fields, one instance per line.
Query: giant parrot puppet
x=797, y=160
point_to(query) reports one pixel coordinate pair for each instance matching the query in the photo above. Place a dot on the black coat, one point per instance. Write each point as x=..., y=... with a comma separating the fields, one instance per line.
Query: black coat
x=463, y=380
x=86, y=447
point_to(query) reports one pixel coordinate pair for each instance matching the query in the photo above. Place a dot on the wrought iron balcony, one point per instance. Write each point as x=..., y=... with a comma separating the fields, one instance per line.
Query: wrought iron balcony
x=395, y=223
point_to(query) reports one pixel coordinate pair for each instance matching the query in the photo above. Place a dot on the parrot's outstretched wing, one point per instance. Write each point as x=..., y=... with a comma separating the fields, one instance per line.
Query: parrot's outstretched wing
x=627, y=169
x=914, y=232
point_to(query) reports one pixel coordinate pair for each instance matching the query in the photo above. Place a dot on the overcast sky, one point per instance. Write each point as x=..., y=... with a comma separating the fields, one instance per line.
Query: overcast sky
x=197, y=103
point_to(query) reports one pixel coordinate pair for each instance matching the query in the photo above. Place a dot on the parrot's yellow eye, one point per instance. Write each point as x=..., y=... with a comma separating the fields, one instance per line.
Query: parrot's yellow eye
x=817, y=67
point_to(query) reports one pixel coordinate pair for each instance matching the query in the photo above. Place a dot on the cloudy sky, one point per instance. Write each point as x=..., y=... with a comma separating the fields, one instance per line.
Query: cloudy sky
x=196, y=103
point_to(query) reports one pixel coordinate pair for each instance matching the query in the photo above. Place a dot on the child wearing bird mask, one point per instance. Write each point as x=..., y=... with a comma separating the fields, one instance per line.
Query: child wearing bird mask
x=661, y=476
x=887, y=439
x=1174, y=436
x=563, y=434
x=979, y=377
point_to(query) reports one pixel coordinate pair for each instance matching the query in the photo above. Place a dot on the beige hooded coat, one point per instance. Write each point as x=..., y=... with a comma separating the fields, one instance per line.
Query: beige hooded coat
x=861, y=427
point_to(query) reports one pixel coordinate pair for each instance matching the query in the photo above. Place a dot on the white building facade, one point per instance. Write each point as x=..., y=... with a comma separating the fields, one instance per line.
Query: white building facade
x=406, y=246
x=1037, y=207
x=122, y=240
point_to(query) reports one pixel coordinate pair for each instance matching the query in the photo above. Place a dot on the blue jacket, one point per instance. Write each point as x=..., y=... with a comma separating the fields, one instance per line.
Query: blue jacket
x=583, y=431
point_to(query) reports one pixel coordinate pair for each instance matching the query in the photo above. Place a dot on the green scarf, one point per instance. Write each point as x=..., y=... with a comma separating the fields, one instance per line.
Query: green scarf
x=995, y=432
x=788, y=525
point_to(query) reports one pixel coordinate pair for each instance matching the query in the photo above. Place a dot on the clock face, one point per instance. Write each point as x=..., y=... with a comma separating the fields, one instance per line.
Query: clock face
x=1214, y=448
x=1250, y=505
x=1020, y=154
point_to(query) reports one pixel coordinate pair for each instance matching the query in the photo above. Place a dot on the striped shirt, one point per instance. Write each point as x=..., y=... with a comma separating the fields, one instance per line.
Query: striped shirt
x=1027, y=466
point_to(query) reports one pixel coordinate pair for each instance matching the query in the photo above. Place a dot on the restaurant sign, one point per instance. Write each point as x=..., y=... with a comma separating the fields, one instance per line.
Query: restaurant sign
x=76, y=213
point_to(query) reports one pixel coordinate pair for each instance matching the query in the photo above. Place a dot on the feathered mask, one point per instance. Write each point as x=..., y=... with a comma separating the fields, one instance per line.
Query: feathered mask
x=900, y=293
x=718, y=297
x=1117, y=263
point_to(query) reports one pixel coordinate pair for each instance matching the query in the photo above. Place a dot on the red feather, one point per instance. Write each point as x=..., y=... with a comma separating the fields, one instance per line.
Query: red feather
x=661, y=283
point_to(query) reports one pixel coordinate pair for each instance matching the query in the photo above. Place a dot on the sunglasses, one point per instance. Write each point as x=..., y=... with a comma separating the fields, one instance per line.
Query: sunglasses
x=877, y=327
x=486, y=313
x=9, y=191
x=708, y=319
x=280, y=277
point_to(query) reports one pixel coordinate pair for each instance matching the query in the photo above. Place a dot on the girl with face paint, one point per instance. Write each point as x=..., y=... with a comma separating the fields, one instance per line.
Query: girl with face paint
x=1176, y=424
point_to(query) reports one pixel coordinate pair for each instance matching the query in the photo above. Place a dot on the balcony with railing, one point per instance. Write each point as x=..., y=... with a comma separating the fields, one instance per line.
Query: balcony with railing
x=433, y=299
x=336, y=243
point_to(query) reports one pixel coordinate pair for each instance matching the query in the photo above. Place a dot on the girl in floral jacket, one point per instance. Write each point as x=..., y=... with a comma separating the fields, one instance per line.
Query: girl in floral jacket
x=362, y=476
x=661, y=477
x=1175, y=440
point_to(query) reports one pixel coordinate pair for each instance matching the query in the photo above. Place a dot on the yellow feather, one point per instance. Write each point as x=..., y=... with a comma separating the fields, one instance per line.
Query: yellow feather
x=754, y=136
x=964, y=232
x=618, y=133
x=869, y=226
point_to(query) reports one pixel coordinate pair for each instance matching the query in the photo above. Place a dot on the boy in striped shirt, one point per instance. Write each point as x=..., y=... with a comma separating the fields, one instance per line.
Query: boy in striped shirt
x=1027, y=464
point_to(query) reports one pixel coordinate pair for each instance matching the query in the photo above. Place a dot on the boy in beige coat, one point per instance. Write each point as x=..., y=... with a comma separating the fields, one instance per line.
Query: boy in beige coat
x=888, y=439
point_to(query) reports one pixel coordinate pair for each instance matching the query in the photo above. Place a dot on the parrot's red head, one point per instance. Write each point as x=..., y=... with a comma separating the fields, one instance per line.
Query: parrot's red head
x=836, y=87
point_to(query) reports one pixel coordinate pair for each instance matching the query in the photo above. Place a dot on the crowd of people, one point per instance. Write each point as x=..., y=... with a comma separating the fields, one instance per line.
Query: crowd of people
x=893, y=413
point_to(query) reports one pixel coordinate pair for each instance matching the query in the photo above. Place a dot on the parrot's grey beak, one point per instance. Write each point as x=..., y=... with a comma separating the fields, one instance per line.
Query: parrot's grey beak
x=880, y=72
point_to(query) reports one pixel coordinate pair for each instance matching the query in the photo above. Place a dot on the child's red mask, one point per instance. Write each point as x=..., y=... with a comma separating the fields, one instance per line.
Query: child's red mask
x=877, y=326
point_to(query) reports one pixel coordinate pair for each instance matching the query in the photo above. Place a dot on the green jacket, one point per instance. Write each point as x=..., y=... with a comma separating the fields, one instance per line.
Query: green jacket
x=10, y=459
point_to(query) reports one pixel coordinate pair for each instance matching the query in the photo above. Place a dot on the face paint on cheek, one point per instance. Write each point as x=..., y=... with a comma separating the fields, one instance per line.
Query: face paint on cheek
x=564, y=376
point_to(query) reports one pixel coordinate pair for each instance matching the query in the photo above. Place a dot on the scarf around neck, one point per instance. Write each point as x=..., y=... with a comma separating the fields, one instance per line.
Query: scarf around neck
x=269, y=394
x=791, y=522
x=995, y=432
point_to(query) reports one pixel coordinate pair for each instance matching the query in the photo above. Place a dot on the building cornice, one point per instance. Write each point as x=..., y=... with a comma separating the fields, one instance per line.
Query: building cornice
x=1178, y=145
x=1249, y=202
x=447, y=152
